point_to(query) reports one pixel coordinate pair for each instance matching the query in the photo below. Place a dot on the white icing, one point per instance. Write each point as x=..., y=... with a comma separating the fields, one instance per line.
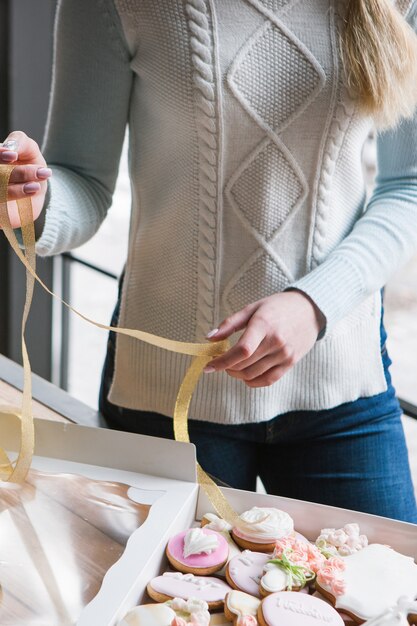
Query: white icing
x=148, y=615
x=265, y=523
x=241, y=603
x=375, y=578
x=395, y=615
x=298, y=607
x=199, y=581
x=192, y=605
x=196, y=541
x=216, y=523
x=274, y=579
x=343, y=541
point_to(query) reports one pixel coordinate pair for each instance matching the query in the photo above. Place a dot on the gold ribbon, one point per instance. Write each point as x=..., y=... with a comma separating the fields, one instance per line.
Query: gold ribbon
x=202, y=352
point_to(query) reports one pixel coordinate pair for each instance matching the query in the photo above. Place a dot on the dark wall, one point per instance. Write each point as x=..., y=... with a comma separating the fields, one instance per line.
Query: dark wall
x=27, y=27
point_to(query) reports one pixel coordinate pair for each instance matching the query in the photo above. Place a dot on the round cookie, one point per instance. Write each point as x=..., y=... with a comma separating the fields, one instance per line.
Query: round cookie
x=197, y=551
x=241, y=608
x=244, y=571
x=289, y=608
x=176, y=585
x=371, y=582
x=259, y=528
x=148, y=615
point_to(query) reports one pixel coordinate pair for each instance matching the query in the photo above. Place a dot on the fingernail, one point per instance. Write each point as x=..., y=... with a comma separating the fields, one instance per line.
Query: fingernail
x=44, y=172
x=10, y=144
x=31, y=187
x=8, y=156
x=209, y=369
x=212, y=333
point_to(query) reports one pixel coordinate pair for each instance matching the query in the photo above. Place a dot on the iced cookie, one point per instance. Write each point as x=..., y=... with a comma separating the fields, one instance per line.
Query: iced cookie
x=259, y=528
x=190, y=612
x=292, y=567
x=176, y=585
x=149, y=615
x=245, y=570
x=213, y=522
x=342, y=541
x=241, y=608
x=346, y=618
x=371, y=582
x=198, y=551
x=288, y=608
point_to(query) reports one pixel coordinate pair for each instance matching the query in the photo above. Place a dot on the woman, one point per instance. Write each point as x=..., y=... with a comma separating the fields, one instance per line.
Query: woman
x=247, y=120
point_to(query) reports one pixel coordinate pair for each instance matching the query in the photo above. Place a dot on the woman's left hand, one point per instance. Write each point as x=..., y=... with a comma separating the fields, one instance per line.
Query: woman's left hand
x=279, y=331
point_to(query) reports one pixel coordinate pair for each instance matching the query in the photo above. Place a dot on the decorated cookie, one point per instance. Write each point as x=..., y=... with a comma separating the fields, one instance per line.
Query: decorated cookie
x=149, y=615
x=396, y=615
x=241, y=608
x=259, y=528
x=192, y=612
x=244, y=571
x=176, y=585
x=341, y=542
x=293, y=566
x=346, y=618
x=288, y=608
x=198, y=550
x=213, y=522
x=371, y=582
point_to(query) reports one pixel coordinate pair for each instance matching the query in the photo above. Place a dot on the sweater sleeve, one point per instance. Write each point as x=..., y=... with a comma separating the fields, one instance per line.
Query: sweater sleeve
x=86, y=124
x=384, y=237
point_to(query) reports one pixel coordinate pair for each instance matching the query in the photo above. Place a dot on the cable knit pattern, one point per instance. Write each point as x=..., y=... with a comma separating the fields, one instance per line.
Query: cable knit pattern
x=201, y=42
x=269, y=186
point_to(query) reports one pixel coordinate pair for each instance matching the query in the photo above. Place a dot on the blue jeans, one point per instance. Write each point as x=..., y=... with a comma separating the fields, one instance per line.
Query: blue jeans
x=352, y=456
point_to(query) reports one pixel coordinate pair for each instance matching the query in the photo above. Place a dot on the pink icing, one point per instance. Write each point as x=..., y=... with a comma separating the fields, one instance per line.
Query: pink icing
x=176, y=549
x=186, y=586
x=296, y=609
x=246, y=569
x=178, y=621
x=247, y=620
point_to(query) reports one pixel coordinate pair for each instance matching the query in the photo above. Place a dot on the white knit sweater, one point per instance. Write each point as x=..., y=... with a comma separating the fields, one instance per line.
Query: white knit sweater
x=245, y=162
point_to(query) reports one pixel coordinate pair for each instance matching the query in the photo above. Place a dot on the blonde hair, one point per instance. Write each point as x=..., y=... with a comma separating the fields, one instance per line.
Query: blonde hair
x=379, y=53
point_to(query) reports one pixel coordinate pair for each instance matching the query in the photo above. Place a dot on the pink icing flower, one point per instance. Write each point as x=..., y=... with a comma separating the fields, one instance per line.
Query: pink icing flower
x=326, y=576
x=247, y=620
x=338, y=587
x=337, y=564
x=316, y=564
x=178, y=621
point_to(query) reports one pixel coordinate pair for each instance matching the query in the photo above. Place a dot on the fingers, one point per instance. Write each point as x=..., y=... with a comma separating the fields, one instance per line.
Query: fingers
x=283, y=357
x=269, y=377
x=232, y=324
x=18, y=146
x=242, y=350
x=29, y=173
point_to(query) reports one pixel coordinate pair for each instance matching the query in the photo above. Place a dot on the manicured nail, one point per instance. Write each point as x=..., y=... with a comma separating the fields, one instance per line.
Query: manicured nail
x=31, y=187
x=11, y=144
x=44, y=172
x=8, y=156
x=209, y=369
x=212, y=333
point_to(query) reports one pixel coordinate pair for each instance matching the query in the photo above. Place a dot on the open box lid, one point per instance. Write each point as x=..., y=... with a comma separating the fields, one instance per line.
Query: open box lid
x=103, y=447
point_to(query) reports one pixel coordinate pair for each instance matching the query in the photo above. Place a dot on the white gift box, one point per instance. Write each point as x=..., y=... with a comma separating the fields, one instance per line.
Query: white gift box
x=164, y=473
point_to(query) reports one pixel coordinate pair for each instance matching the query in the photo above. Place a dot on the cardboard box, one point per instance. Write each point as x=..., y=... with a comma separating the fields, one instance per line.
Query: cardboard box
x=164, y=471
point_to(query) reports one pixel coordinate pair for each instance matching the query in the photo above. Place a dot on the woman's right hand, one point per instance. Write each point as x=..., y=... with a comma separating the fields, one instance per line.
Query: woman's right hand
x=28, y=179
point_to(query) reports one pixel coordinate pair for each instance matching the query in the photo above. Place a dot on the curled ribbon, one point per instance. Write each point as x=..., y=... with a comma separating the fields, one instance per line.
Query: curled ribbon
x=16, y=471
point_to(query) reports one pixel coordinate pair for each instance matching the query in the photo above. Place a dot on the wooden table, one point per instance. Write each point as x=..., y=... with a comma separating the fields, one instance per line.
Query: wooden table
x=50, y=402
